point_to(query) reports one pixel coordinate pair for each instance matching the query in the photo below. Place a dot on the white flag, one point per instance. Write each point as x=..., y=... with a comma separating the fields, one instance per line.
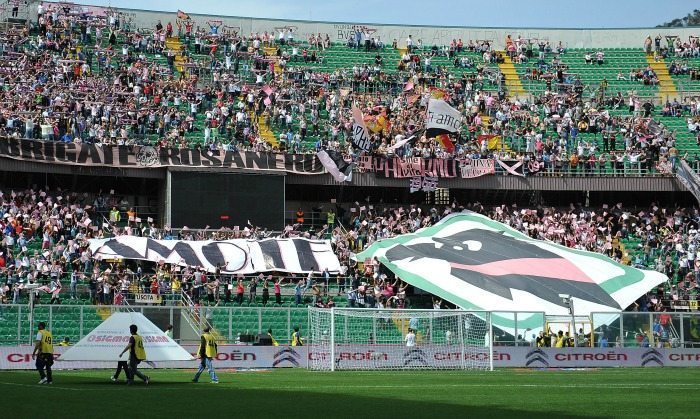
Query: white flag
x=401, y=143
x=360, y=139
x=442, y=118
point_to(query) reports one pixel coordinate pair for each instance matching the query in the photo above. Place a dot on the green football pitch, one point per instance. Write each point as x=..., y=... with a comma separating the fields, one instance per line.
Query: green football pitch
x=292, y=393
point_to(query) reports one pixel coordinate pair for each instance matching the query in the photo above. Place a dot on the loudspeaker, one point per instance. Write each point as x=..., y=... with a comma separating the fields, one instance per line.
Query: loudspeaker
x=247, y=338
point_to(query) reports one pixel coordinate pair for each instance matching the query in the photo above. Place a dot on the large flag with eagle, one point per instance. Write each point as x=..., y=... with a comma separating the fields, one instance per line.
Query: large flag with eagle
x=481, y=264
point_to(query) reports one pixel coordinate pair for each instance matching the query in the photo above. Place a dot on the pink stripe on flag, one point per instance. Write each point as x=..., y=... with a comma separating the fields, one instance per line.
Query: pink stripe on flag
x=547, y=268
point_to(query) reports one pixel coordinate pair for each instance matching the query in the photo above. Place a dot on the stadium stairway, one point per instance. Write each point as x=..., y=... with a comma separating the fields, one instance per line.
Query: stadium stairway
x=667, y=88
x=271, y=53
x=175, y=45
x=625, y=253
x=495, y=143
x=104, y=312
x=514, y=86
x=266, y=132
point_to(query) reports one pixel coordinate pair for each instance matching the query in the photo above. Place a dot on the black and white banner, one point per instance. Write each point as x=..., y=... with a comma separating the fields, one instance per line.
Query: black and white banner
x=333, y=161
x=442, y=118
x=231, y=256
x=147, y=157
x=360, y=137
x=512, y=167
x=688, y=178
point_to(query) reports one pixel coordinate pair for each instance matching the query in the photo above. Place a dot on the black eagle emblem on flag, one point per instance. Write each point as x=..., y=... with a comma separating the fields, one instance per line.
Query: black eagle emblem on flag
x=498, y=263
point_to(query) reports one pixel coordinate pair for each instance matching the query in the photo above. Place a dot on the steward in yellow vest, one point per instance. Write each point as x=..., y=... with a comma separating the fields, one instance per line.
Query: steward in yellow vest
x=207, y=353
x=137, y=353
x=43, y=352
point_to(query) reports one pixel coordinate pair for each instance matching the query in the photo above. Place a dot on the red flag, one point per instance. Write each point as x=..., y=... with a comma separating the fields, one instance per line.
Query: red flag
x=182, y=15
x=446, y=142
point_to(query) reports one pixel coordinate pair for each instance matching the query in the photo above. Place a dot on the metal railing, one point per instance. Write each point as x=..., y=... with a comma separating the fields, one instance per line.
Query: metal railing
x=600, y=329
x=192, y=315
x=648, y=329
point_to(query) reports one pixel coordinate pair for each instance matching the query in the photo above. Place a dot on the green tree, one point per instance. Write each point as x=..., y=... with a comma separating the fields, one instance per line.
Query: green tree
x=692, y=19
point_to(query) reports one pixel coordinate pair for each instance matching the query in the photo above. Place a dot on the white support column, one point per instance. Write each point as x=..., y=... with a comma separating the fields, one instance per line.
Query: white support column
x=460, y=336
x=490, y=341
x=19, y=325
x=82, y=319
x=332, y=337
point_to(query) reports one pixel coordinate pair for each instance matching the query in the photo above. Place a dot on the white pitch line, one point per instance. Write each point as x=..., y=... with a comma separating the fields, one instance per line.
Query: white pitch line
x=204, y=386
x=44, y=386
x=476, y=385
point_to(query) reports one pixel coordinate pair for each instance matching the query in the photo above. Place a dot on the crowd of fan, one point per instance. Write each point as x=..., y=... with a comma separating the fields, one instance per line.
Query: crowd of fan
x=43, y=239
x=52, y=91
x=81, y=78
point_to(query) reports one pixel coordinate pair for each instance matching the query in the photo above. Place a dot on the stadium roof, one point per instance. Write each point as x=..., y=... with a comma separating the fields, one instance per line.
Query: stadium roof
x=386, y=14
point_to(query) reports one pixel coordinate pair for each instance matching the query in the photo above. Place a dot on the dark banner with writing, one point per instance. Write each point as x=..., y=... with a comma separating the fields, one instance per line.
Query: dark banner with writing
x=688, y=178
x=418, y=166
x=148, y=157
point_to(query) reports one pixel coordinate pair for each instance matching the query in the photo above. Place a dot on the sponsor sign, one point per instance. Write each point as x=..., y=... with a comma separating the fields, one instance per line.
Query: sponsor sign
x=107, y=341
x=229, y=356
x=691, y=305
x=148, y=299
x=388, y=356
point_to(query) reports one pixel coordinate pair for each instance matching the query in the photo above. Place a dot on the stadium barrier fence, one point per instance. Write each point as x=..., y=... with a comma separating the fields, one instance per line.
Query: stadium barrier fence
x=602, y=329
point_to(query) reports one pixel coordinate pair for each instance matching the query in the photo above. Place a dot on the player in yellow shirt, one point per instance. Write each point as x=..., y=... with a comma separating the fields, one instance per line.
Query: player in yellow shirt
x=137, y=353
x=560, y=340
x=297, y=340
x=43, y=352
x=272, y=339
x=207, y=352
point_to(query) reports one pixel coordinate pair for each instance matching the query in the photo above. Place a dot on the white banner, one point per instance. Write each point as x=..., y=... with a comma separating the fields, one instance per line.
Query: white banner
x=230, y=356
x=232, y=256
x=400, y=143
x=442, y=118
x=355, y=356
x=360, y=138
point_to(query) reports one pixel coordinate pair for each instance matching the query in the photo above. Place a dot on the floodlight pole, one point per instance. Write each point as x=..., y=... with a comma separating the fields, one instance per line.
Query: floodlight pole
x=566, y=299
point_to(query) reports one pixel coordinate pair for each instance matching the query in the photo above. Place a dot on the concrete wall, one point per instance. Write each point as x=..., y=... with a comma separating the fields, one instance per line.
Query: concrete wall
x=572, y=38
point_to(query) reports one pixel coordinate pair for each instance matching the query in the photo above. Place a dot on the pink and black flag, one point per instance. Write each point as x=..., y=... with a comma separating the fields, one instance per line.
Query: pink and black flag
x=480, y=264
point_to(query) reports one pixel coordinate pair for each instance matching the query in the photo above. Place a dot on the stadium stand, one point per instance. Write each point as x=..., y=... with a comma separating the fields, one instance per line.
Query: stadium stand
x=77, y=77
